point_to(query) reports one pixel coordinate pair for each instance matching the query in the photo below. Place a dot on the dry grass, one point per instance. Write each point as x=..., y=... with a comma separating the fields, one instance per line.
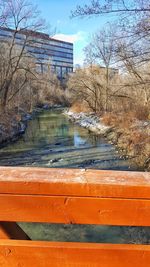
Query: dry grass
x=8, y=125
x=133, y=136
x=123, y=120
x=80, y=107
x=8, y=118
x=141, y=113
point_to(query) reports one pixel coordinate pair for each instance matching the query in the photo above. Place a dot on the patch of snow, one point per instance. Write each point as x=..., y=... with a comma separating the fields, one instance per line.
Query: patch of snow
x=89, y=121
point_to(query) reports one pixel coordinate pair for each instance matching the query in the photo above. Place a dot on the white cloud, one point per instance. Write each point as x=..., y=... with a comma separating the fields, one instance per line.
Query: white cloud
x=79, y=40
x=73, y=38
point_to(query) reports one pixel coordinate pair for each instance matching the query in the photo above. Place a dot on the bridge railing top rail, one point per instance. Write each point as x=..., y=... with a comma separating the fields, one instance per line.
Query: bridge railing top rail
x=74, y=182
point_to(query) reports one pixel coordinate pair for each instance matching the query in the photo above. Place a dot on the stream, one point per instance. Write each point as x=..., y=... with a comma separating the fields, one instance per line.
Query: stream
x=52, y=141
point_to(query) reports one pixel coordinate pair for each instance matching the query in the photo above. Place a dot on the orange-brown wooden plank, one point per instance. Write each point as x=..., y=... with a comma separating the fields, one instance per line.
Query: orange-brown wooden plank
x=11, y=230
x=74, y=182
x=78, y=210
x=46, y=254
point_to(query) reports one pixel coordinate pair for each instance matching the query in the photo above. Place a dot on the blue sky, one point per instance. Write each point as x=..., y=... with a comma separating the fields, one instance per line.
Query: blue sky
x=57, y=14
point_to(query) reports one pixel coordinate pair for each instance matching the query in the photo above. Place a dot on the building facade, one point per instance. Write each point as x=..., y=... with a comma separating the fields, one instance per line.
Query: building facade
x=48, y=52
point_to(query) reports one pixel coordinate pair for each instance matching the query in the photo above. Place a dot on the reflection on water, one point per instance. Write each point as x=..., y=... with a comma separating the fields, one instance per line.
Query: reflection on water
x=79, y=141
x=52, y=141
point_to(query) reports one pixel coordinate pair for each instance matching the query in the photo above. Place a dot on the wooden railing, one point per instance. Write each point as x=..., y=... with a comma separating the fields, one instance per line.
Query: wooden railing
x=76, y=197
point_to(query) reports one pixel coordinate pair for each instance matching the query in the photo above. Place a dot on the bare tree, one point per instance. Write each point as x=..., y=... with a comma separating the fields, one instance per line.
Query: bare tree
x=21, y=17
x=97, y=7
x=101, y=49
x=88, y=85
x=132, y=17
x=132, y=44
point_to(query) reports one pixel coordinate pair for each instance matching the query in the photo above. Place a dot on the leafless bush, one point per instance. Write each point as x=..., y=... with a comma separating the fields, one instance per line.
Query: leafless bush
x=142, y=112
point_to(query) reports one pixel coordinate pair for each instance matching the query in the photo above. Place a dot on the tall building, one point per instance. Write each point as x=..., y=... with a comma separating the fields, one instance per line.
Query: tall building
x=46, y=50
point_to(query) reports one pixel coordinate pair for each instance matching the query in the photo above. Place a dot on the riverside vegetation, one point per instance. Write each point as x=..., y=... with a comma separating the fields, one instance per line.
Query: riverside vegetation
x=129, y=135
x=117, y=104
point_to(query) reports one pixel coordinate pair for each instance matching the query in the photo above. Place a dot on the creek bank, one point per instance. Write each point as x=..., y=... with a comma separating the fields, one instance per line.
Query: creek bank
x=13, y=124
x=131, y=143
x=89, y=121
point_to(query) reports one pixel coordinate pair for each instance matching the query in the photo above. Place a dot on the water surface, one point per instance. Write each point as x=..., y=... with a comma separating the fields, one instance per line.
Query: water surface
x=51, y=140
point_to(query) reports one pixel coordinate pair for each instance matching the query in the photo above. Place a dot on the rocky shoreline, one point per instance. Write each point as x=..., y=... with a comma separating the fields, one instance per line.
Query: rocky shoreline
x=116, y=136
x=89, y=121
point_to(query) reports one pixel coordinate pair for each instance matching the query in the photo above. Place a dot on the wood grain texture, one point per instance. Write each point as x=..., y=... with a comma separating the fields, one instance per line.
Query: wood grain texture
x=75, y=210
x=74, y=182
x=46, y=254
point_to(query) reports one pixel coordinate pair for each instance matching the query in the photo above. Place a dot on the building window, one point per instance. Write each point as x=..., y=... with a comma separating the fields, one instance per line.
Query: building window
x=59, y=72
x=64, y=71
